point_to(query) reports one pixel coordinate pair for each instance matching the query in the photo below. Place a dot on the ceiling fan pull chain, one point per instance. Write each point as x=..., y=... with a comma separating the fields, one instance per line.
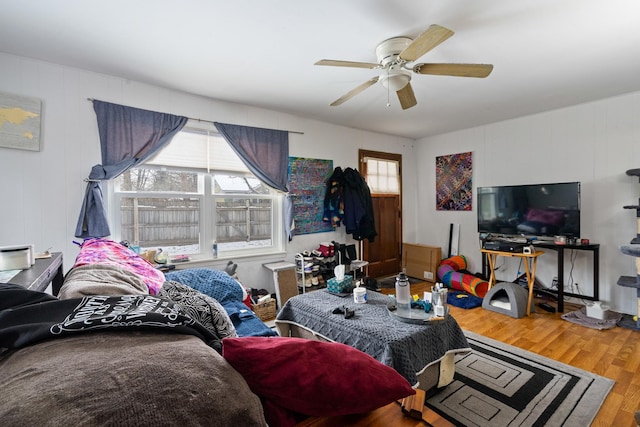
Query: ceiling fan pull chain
x=388, y=91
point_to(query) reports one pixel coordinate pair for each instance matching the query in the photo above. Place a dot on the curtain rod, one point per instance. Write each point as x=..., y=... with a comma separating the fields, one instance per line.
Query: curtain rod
x=209, y=121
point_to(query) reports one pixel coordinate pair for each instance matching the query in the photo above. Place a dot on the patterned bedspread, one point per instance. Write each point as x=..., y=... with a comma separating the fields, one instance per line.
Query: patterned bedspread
x=214, y=283
x=228, y=292
x=407, y=347
x=108, y=252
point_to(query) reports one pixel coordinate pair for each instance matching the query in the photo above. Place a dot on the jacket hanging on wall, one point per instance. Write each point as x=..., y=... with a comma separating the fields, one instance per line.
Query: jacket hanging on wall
x=348, y=200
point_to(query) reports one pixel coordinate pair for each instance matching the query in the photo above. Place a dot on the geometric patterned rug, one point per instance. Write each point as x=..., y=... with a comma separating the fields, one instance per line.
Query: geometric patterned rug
x=501, y=385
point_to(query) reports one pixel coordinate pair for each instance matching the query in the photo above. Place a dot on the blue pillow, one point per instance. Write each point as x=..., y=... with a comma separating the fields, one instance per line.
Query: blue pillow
x=215, y=283
x=463, y=299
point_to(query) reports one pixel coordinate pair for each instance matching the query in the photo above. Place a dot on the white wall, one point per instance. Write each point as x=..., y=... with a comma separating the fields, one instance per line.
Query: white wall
x=41, y=192
x=594, y=143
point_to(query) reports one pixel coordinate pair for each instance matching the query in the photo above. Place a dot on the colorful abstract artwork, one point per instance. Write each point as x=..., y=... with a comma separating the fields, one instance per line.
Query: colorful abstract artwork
x=307, y=185
x=453, y=182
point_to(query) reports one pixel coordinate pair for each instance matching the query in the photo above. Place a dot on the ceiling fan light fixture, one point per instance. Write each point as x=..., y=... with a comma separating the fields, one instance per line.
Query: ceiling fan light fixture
x=395, y=82
x=387, y=52
x=394, y=58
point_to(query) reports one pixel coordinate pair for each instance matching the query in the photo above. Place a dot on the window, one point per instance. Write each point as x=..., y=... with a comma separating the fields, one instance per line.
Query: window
x=383, y=176
x=192, y=193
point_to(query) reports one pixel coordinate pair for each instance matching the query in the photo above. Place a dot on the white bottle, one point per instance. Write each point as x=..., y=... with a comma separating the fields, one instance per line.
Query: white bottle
x=403, y=294
x=439, y=293
x=438, y=310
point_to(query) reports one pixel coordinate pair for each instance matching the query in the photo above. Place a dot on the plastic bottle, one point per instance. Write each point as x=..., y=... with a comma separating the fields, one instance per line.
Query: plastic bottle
x=161, y=257
x=403, y=293
x=215, y=249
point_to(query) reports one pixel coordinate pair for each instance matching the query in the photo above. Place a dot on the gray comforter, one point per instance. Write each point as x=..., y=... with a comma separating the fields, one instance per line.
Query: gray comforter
x=407, y=347
x=124, y=379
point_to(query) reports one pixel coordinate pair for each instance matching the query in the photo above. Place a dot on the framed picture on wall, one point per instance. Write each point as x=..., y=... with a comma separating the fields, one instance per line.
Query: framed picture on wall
x=307, y=184
x=453, y=182
x=20, y=118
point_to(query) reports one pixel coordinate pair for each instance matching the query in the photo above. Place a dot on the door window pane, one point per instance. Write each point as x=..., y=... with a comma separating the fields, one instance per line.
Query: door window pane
x=383, y=176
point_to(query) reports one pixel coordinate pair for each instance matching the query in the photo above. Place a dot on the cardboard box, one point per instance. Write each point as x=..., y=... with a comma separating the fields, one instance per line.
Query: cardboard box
x=421, y=261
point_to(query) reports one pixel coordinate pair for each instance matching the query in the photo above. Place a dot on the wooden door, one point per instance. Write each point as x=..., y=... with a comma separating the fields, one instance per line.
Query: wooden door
x=384, y=254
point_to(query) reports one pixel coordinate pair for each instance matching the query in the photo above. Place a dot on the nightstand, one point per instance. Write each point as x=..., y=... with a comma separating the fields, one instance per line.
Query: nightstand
x=284, y=281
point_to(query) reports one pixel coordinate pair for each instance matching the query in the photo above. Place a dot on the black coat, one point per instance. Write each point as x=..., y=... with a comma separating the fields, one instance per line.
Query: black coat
x=349, y=191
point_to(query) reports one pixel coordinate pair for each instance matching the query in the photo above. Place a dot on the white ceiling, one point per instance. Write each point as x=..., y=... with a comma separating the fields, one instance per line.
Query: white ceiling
x=547, y=54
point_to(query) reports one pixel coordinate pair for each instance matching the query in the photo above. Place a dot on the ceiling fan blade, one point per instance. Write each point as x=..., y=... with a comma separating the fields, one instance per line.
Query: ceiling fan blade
x=354, y=92
x=432, y=37
x=353, y=64
x=406, y=97
x=458, y=70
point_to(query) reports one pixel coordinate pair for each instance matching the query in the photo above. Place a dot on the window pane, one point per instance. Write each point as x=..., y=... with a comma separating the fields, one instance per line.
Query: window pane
x=153, y=180
x=382, y=176
x=243, y=223
x=168, y=223
x=238, y=184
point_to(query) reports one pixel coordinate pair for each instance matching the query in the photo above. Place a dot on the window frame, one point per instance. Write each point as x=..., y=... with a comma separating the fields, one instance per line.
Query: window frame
x=208, y=217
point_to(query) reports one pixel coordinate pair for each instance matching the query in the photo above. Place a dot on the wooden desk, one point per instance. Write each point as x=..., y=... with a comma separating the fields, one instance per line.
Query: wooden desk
x=529, y=270
x=43, y=272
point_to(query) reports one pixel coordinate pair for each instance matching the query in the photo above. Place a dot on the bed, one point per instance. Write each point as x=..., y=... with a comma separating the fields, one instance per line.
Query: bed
x=125, y=344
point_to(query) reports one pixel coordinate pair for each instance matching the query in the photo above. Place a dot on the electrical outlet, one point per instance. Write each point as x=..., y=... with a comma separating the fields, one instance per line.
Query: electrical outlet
x=428, y=275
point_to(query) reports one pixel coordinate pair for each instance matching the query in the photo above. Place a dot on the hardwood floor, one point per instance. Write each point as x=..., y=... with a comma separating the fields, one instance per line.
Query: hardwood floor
x=613, y=353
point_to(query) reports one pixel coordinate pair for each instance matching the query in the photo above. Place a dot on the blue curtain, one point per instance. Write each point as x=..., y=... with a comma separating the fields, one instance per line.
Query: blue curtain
x=265, y=152
x=128, y=136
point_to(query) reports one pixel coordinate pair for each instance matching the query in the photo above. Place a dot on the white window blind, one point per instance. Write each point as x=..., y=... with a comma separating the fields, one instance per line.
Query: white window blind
x=201, y=150
x=383, y=176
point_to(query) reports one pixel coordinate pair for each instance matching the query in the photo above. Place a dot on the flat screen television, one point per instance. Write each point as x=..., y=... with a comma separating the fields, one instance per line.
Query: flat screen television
x=543, y=210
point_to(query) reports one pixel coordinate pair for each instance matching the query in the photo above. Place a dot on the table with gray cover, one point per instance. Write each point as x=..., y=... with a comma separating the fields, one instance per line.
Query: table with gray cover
x=409, y=348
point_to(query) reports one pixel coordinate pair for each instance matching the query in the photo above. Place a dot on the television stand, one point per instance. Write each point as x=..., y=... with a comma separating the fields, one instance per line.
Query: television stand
x=560, y=293
x=595, y=249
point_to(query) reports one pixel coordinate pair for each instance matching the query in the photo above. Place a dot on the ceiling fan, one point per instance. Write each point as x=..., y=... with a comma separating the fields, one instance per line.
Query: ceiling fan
x=395, y=54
